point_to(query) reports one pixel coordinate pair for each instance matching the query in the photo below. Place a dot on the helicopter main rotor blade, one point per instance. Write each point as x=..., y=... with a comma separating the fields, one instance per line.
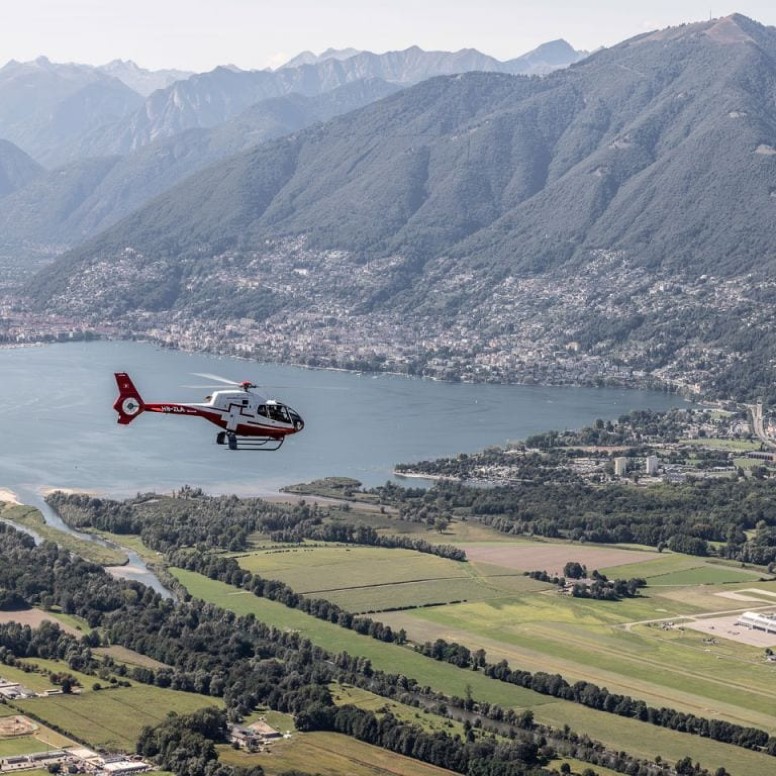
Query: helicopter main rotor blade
x=216, y=385
x=217, y=378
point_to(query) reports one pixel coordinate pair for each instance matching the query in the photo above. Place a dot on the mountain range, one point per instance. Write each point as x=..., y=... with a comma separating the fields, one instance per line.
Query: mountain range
x=609, y=218
x=112, y=159
x=58, y=113
x=45, y=212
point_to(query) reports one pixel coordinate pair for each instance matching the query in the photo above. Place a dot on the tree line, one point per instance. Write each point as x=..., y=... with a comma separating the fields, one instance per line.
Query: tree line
x=190, y=518
x=686, y=517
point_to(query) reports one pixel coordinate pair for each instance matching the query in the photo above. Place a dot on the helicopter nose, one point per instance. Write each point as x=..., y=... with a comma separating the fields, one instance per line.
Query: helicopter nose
x=297, y=420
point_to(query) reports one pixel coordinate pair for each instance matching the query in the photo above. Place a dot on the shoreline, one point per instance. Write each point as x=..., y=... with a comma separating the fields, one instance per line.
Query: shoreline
x=689, y=393
x=12, y=497
x=9, y=497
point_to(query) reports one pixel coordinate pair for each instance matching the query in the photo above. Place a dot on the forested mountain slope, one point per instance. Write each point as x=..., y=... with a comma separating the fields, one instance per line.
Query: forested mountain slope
x=620, y=209
x=70, y=203
x=17, y=169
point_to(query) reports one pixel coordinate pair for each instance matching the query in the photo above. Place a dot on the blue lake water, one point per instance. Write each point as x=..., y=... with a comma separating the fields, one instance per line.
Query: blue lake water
x=58, y=428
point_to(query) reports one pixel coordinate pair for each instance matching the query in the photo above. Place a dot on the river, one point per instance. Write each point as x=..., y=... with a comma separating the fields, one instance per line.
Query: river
x=58, y=428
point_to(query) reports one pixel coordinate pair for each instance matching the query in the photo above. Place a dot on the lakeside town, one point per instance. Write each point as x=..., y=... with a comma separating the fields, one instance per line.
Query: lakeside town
x=527, y=331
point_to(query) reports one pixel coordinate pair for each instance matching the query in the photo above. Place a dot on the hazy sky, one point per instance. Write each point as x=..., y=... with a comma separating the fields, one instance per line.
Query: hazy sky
x=198, y=35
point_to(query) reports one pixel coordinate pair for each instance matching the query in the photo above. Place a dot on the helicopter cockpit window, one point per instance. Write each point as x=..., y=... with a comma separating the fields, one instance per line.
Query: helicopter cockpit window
x=278, y=412
x=262, y=410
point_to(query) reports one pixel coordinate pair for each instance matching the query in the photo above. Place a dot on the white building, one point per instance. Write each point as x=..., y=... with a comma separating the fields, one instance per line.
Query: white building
x=650, y=464
x=756, y=621
x=620, y=466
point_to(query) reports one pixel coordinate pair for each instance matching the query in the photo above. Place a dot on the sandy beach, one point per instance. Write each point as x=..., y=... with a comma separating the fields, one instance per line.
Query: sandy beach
x=9, y=495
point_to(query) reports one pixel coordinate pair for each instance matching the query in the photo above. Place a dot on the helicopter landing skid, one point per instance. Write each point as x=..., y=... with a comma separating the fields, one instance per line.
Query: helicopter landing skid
x=258, y=444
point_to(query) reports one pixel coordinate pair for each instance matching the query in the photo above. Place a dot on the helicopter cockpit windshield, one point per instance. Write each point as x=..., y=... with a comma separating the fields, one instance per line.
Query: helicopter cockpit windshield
x=278, y=412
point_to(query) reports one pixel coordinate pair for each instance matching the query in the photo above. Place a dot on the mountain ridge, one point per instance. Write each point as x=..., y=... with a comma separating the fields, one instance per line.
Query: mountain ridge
x=207, y=99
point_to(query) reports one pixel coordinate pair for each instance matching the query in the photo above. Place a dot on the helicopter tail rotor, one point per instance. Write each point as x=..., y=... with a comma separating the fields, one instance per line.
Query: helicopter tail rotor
x=128, y=404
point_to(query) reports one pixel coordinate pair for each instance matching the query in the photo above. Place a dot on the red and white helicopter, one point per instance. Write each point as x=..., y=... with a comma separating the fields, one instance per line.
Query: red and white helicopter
x=250, y=421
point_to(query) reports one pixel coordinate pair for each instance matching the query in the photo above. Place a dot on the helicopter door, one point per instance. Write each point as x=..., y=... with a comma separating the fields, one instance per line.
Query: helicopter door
x=234, y=418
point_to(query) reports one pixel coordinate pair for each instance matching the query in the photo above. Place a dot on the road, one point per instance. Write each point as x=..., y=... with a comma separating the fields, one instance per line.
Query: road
x=757, y=424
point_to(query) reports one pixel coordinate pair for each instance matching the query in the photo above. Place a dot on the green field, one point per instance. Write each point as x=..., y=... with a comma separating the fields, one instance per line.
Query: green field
x=673, y=568
x=128, y=656
x=662, y=667
x=735, y=445
x=616, y=732
x=16, y=745
x=374, y=579
x=34, y=681
x=113, y=718
x=316, y=568
x=329, y=754
x=706, y=575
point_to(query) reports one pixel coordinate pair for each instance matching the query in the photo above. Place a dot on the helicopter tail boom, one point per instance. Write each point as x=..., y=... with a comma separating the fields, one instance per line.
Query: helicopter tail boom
x=129, y=404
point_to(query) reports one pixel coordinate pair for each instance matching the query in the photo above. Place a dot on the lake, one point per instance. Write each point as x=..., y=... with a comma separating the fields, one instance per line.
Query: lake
x=58, y=428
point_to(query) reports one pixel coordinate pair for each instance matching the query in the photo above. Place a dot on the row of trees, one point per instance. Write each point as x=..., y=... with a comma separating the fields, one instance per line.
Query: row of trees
x=686, y=517
x=193, y=519
x=228, y=570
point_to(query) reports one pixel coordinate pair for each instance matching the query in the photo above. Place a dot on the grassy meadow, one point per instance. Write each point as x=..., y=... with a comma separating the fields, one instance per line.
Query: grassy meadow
x=374, y=579
x=329, y=754
x=113, y=718
x=18, y=745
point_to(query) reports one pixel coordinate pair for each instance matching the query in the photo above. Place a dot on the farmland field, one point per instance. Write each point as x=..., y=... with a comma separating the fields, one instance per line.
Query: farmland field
x=705, y=575
x=330, y=754
x=36, y=682
x=10, y=747
x=113, y=718
x=374, y=579
x=552, y=556
x=619, y=733
x=34, y=618
x=128, y=656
